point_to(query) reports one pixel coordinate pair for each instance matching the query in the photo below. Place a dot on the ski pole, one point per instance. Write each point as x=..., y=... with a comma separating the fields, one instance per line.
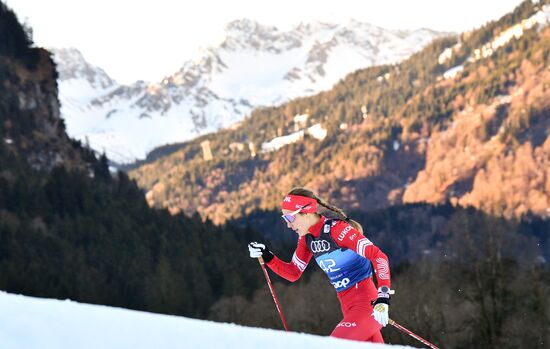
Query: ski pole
x=414, y=335
x=261, y=260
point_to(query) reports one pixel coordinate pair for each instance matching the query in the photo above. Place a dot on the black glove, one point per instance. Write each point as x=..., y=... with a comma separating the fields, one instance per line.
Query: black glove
x=383, y=295
x=257, y=249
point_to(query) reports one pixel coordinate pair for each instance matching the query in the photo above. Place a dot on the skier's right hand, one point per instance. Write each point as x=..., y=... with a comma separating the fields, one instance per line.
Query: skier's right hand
x=257, y=250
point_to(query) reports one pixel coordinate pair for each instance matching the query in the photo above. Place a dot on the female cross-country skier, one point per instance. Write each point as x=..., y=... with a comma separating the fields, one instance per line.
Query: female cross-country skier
x=342, y=251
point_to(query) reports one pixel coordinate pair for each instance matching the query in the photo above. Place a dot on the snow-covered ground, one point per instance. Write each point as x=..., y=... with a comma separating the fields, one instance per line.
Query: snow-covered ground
x=27, y=322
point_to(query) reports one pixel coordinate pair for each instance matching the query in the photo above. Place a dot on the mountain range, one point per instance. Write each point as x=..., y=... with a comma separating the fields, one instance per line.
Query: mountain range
x=465, y=120
x=254, y=66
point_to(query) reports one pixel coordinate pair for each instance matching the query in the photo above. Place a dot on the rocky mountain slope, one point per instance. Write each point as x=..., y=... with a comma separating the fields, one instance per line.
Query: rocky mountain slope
x=31, y=124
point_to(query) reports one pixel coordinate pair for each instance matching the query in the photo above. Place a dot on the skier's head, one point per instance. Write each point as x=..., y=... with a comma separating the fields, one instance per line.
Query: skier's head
x=301, y=209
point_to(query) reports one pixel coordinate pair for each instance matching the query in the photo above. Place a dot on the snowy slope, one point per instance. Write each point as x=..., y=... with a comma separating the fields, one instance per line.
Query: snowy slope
x=254, y=66
x=539, y=20
x=27, y=322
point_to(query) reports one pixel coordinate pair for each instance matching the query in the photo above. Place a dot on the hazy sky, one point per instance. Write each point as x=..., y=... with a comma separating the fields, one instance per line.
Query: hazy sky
x=147, y=40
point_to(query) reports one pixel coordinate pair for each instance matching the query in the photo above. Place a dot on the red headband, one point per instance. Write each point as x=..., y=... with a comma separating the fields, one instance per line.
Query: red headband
x=294, y=202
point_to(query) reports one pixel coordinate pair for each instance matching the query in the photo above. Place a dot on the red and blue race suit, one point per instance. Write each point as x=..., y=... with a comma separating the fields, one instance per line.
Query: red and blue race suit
x=347, y=257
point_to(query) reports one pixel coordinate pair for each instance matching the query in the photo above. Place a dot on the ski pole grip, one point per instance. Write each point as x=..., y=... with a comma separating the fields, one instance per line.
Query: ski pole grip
x=261, y=260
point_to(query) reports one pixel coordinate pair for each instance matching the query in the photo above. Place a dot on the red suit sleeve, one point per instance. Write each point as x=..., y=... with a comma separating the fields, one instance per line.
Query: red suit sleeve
x=293, y=270
x=346, y=236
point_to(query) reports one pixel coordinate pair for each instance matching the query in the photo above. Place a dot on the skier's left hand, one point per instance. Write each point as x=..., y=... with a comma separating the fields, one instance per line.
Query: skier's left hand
x=382, y=306
x=380, y=313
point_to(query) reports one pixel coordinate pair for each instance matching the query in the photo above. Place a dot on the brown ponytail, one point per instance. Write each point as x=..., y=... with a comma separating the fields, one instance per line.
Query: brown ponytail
x=326, y=209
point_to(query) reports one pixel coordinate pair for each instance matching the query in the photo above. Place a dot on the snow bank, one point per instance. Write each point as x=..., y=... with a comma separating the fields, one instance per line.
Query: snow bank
x=27, y=322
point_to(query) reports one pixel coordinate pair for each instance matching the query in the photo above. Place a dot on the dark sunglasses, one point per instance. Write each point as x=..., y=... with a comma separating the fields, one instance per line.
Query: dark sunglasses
x=291, y=217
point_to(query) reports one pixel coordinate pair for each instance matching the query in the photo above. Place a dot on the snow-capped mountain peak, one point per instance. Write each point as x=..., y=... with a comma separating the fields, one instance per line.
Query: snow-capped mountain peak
x=255, y=65
x=72, y=65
